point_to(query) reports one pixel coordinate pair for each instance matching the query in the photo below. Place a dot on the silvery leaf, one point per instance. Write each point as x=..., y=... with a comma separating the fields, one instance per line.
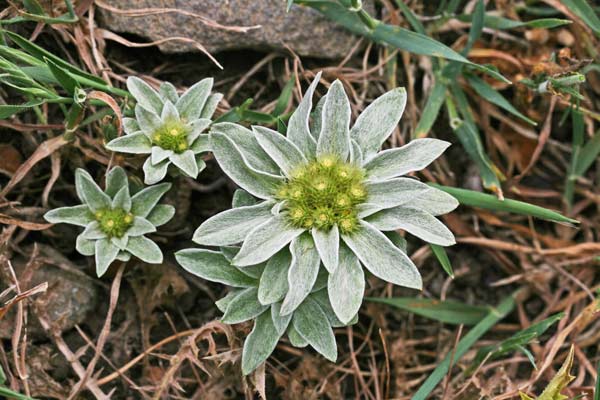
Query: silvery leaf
x=398, y=240
x=375, y=124
x=274, y=279
x=155, y=173
x=281, y=322
x=212, y=266
x=161, y=214
x=317, y=118
x=121, y=242
x=186, y=162
x=169, y=112
x=248, y=146
x=241, y=198
x=285, y=153
x=379, y=255
x=295, y=339
x=196, y=128
x=130, y=125
x=123, y=256
x=200, y=164
x=89, y=192
x=413, y=156
x=334, y=138
x=168, y=91
x=223, y=302
x=84, y=246
x=415, y=221
x=191, y=103
x=260, y=343
x=159, y=154
x=92, y=231
x=144, y=94
x=232, y=226
x=105, y=252
x=77, y=215
x=140, y=227
x=356, y=156
x=211, y=105
x=115, y=180
x=122, y=199
x=328, y=246
x=322, y=298
x=253, y=271
x=145, y=249
x=366, y=209
x=298, y=131
x=201, y=144
x=234, y=164
x=394, y=192
x=435, y=202
x=135, y=143
x=302, y=273
x=346, y=286
x=148, y=121
x=243, y=307
x=144, y=201
x=312, y=324
x=265, y=240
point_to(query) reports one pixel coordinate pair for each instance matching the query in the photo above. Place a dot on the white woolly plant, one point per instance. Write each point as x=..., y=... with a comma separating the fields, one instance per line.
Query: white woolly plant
x=168, y=127
x=254, y=297
x=328, y=196
x=115, y=221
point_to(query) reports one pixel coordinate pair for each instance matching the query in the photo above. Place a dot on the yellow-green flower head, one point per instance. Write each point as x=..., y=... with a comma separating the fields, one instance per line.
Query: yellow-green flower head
x=323, y=193
x=324, y=199
x=168, y=127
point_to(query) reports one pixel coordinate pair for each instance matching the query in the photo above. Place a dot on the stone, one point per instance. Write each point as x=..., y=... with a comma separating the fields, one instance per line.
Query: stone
x=303, y=29
x=70, y=297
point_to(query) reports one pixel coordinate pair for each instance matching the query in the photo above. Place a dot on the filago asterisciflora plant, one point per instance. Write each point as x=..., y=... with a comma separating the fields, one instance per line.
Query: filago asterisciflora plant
x=329, y=199
x=168, y=127
x=114, y=219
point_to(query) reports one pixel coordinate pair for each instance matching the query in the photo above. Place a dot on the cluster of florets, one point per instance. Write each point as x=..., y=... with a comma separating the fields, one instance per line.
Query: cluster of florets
x=323, y=193
x=172, y=135
x=114, y=222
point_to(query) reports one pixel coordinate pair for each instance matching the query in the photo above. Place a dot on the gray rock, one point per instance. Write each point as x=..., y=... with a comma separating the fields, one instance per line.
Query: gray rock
x=302, y=29
x=70, y=297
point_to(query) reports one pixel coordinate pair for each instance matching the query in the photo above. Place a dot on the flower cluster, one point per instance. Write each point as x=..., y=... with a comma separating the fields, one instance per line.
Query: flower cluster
x=168, y=127
x=324, y=202
x=114, y=219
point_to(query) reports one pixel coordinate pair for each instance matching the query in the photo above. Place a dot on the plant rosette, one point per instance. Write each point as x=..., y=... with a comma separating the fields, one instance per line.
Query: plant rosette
x=168, y=127
x=328, y=196
x=115, y=221
x=256, y=297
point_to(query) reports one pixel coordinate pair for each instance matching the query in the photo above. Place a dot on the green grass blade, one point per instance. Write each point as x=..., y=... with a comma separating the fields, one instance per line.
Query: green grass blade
x=7, y=110
x=597, y=388
x=491, y=319
x=476, y=26
x=490, y=202
x=432, y=109
x=486, y=91
x=516, y=341
x=448, y=311
x=583, y=10
x=13, y=395
x=588, y=155
x=442, y=257
x=284, y=97
x=468, y=134
x=500, y=23
x=577, y=143
x=395, y=36
x=411, y=17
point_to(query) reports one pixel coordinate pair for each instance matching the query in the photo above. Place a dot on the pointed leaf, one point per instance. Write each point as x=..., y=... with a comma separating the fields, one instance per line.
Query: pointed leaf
x=243, y=307
x=77, y=215
x=260, y=343
x=298, y=131
x=155, y=173
x=328, y=246
x=274, y=280
x=346, y=286
x=140, y=226
x=394, y=192
x=435, y=202
x=312, y=324
x=384, y=260
x=186, y=162
x=89, y=192
x=144, y=94
x=280, y=149
x=122, y=199
x=212, y=266
x=145, y=249
x=106, y=252
x=192, y=102
x=115, y=180
x=161, y=214
x=144, y=201
x=334, y=138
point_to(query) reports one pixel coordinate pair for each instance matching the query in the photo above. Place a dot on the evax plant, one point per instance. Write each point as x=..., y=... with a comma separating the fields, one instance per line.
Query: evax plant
x=328, y=196
x=114, y=219
x=168, y=127
x=256, y=297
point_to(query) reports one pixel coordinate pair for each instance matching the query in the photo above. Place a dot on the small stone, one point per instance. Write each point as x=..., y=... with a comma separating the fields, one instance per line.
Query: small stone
x=304, y=30
x=67, y=302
